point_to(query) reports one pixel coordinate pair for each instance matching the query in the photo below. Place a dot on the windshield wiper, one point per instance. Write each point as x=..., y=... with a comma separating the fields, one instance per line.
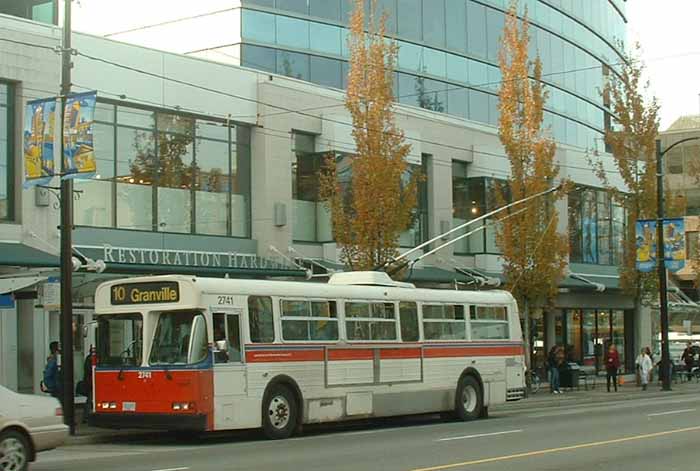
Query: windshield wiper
x=127, y=350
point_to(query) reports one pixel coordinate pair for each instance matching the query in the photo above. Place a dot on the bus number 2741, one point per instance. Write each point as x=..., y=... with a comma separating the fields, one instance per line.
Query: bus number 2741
x=225, y=300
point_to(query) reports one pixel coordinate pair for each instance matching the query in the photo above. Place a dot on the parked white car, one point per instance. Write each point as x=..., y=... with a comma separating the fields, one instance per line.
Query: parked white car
x=28, y=424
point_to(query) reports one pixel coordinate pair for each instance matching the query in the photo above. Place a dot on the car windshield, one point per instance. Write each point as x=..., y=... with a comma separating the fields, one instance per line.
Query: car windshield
x=120, y=339
x=180, y=338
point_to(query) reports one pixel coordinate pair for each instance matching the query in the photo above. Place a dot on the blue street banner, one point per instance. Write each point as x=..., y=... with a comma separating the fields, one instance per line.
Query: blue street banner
x=674, y=244
x=78, y=147
x=646, y=245
x=38, y=137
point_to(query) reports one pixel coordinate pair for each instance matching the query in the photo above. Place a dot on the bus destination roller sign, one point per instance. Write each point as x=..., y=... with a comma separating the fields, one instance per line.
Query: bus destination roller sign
x=145, y=293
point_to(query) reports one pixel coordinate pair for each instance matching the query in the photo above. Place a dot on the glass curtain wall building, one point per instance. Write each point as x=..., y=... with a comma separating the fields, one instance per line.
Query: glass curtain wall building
x=448, y=53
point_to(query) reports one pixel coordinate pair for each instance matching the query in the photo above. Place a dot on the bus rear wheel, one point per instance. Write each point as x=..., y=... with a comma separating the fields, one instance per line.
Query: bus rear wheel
x=469, y=401
x=280, y=412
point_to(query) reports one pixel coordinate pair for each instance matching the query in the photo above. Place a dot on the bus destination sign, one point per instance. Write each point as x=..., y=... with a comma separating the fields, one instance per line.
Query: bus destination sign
x=145, y=293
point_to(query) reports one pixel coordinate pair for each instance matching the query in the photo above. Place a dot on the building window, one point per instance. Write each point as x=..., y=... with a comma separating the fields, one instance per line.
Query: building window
x=7, y=99
x=37, y=10
x=419, y=231
x=472, y=198
x=596, y=227
x=590, y=332
x=170, y=172
x=312, y=222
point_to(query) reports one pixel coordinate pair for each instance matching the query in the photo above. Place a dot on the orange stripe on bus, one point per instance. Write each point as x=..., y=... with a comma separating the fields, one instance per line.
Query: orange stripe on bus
x=385, y=353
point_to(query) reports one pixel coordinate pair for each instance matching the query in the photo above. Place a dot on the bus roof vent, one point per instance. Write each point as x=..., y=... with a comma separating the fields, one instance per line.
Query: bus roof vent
x=366, y=278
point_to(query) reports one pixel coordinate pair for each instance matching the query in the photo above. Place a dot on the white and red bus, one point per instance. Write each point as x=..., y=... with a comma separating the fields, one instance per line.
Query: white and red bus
x=188, y=353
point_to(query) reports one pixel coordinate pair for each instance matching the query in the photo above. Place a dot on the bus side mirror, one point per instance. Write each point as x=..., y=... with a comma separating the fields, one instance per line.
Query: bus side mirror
x=92, y=325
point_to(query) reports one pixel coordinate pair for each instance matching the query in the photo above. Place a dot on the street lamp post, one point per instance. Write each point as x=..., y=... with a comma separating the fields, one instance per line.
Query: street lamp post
x=66, y=237
x=660, y=263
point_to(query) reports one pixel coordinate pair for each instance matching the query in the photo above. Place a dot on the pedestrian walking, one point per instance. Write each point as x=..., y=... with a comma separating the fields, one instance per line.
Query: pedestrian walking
x=87, y=386
x=52, y=382
x=612, y=364
x=689, y=359
x=637, y=369
x=647, y=350
x=645, y=366
x=553, y=367
x=561, y=361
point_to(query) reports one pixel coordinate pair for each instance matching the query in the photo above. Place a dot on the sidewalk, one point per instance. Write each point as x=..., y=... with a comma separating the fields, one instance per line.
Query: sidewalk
x=543, y=399
x=599, y=394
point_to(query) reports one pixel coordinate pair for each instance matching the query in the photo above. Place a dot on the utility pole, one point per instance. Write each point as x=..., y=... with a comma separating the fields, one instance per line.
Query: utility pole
x=66, y=236
x=661, y=268
x=660, y=262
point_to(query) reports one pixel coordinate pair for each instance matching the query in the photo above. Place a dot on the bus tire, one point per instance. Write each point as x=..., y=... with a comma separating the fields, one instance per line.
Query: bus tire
x=280, y=412
x=469, y=400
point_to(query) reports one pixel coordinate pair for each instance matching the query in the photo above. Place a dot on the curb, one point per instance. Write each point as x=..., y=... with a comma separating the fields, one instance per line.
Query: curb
x=603, y=400
x=114, y=436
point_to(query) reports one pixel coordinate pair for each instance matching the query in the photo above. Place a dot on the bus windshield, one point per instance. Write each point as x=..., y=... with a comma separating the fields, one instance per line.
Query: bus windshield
x=120, y=339
x=180, y=338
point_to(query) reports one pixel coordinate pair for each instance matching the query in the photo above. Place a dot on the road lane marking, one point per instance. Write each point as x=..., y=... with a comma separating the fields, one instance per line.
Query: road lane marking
x=478, y=435
x=557, y=450
x=173, y=469
x=671, y=412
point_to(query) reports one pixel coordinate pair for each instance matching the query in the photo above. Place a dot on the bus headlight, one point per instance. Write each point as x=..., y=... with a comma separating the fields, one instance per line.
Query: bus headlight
x=183, y=406
x=108, y=405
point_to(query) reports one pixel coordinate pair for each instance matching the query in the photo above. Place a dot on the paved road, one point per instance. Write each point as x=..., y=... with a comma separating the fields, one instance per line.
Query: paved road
x=644, y=434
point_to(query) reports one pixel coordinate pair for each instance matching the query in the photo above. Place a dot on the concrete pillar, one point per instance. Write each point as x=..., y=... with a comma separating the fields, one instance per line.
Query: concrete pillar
x=25, y=345
x=642, y=335
x=8, y=348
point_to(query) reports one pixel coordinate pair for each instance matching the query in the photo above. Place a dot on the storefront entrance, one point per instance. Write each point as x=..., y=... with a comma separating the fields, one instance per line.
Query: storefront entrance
x=589, y=333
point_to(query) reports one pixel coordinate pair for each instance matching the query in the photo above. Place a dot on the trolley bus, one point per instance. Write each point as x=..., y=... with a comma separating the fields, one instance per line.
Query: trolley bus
x=187, y=353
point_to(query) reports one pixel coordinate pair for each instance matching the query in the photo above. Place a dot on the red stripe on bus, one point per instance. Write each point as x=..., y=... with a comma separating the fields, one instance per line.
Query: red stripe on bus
x=472, y=352
x=272, y=356
x=385, y=353
x=350, y=354
x=399, y=353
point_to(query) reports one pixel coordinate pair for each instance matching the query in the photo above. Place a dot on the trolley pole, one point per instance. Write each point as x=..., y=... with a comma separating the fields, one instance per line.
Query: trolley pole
x=66, y=236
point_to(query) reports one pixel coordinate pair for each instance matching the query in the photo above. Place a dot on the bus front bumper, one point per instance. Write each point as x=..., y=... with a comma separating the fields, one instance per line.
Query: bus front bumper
x=196, y=423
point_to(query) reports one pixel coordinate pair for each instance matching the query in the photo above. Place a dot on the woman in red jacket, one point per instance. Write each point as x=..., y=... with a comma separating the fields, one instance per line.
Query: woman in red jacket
x=612, y=364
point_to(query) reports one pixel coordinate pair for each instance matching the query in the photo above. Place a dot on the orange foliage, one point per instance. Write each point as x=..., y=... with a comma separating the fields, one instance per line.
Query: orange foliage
x=370, y=215
x=534, y=253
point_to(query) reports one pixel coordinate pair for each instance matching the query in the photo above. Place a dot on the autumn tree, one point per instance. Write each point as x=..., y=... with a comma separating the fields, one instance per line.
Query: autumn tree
x=631, y=139
x=370, y=213
x=534, y=253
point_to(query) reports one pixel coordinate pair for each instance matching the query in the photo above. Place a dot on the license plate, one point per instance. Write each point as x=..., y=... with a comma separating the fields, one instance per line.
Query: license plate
x=129, y=407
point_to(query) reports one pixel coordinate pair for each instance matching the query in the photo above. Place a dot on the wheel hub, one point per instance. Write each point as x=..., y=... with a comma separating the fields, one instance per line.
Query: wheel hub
x=469, y=398
x=12, y=455
x=279, y=412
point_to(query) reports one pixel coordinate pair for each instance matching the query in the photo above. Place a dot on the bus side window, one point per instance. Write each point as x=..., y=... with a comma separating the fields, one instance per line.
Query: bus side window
x=408, y=313
x=260, y=320
x=219, y=321
x=233, y=332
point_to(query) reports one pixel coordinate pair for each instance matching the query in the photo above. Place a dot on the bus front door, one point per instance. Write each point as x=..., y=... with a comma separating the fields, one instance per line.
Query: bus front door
x=229, y=370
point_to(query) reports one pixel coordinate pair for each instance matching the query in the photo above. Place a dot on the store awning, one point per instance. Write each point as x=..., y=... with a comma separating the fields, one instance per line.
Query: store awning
x=21, y=255
x=10, y=285
x=130, y=268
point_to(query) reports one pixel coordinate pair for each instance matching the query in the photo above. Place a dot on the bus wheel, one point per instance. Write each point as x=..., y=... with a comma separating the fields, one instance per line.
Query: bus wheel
x=280, y=412
x=469, y=400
